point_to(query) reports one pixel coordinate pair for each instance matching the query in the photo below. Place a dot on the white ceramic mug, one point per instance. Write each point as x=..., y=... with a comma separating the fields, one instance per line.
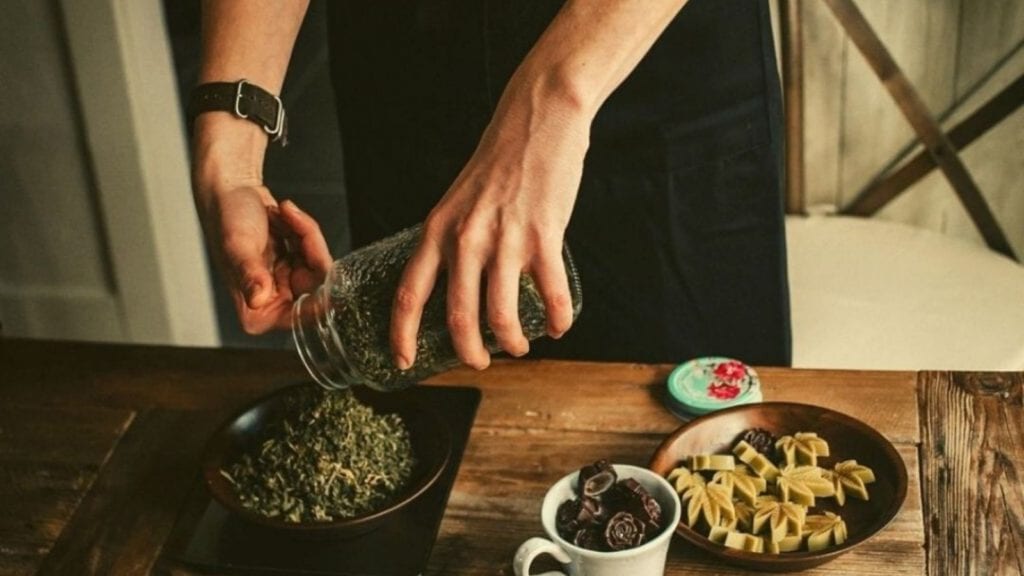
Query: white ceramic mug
x=645, y=560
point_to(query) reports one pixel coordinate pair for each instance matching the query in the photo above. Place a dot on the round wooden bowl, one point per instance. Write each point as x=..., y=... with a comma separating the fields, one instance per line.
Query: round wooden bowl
x=848, y=438
x=431, y=446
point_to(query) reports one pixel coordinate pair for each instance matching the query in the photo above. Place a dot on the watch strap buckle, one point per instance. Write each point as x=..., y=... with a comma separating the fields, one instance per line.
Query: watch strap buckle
x=244, y=100
x=261, y=99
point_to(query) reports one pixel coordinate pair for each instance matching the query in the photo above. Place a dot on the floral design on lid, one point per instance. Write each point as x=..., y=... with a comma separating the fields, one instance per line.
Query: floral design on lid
x=703, y=385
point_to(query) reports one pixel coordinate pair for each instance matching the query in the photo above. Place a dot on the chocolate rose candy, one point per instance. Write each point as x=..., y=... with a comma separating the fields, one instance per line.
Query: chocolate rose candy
x=623, y=531
x=631, y=496
x=648, y=511
x=595, y=479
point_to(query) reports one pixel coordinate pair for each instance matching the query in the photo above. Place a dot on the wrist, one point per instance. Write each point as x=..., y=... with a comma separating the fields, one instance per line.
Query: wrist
x=561, y=87
x=545, y=108
x=227, y=153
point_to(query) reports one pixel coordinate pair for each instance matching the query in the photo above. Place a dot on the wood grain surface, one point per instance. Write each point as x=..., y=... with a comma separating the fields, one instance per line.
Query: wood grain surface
x=121, y=525
x=972, y=463
x=49, y=458
x=99, y=448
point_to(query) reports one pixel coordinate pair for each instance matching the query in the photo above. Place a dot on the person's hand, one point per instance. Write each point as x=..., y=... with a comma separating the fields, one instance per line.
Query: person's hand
x=267, y=253
x=505, y=214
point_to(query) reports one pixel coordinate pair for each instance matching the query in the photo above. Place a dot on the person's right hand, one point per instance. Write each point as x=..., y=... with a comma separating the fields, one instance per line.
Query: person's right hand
x=268, y=254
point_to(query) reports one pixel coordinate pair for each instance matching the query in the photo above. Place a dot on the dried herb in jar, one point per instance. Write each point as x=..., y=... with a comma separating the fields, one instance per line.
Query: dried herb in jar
x=360, y=316
x=330, y=458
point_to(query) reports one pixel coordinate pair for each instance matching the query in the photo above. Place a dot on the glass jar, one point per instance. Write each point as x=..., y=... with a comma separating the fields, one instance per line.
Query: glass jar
x=341, y=331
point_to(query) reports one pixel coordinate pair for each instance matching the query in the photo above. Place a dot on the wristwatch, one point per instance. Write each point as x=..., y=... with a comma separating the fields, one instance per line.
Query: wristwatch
x=243, y=99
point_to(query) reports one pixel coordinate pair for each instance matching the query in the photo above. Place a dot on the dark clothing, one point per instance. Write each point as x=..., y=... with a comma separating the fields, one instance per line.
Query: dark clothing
x=677, y=230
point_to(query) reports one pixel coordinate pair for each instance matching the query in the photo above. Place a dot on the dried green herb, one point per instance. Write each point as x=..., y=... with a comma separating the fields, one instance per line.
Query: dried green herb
x=362, y=287
x=331, y=458
x=361, y=317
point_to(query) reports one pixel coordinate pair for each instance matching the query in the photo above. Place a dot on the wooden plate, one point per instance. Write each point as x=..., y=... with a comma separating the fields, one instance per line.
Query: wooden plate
x=429, y=435
x=848, y=438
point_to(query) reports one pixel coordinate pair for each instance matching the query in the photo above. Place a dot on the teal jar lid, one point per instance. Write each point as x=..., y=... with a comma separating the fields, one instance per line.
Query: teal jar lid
x=704, y=385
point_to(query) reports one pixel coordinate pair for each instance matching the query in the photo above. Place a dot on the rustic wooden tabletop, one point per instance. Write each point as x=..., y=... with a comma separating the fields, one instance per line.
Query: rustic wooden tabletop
x=100, y=446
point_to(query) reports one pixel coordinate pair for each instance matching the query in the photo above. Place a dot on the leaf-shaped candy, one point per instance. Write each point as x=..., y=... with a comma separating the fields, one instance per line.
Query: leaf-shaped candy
x=710, y=501
x=823, y=530
x=801, y=484
x=742, y=485
x=682, y=478
x=802, y=448
x=848, y=477
x=782, y=518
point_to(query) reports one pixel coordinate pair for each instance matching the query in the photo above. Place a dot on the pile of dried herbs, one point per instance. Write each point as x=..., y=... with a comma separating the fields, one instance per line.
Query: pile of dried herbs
x=331, y=458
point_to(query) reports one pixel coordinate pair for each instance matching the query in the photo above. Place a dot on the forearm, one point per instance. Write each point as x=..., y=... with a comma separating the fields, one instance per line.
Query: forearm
x=587, y=51
x=507, y=211
x=249, y=39
x=242, y=39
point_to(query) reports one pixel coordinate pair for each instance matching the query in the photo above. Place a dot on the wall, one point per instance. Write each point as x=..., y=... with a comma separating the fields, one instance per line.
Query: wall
x=101, y=238
x=64, y=275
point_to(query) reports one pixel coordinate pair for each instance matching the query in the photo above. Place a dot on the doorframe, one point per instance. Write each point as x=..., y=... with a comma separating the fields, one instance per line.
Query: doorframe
x=121, y=60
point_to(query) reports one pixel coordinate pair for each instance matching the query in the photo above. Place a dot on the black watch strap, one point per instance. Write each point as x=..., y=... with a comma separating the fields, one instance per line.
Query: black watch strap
x=244, y=100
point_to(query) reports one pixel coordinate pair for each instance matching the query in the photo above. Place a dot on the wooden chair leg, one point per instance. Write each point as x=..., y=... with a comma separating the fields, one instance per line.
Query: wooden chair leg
x=924, y=124
x=884, y=190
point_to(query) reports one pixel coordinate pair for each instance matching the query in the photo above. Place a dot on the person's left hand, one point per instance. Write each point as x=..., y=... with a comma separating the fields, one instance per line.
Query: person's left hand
x=505, y=214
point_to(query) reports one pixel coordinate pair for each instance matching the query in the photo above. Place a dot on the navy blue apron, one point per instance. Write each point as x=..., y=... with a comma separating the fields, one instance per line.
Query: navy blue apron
x=678, y=225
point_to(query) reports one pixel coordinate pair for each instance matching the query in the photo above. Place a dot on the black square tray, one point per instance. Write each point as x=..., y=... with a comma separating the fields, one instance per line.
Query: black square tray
x=206, y=538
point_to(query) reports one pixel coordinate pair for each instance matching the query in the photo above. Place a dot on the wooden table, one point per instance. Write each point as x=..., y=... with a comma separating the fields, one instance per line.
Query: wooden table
x=99, y=445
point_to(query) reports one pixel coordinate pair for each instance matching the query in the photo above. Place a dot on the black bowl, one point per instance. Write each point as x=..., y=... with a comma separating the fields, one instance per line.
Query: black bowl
x=431, y=445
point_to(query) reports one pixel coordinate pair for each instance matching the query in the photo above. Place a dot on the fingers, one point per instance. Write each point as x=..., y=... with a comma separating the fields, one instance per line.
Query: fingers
x=261, y=273
x=465, y=268
x=464, y=306
x=279, y=311
x=274, y=315
x=548, y=271
x=503, y=304
x=309, y=256
x=466, y=257
x=312, y=245
x=414, y=288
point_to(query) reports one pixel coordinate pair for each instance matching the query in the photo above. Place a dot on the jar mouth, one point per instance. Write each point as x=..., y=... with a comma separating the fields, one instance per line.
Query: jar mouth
x=313, y=340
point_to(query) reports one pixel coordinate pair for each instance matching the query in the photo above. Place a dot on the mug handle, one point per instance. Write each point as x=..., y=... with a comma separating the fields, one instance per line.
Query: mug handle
x=535, y=547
